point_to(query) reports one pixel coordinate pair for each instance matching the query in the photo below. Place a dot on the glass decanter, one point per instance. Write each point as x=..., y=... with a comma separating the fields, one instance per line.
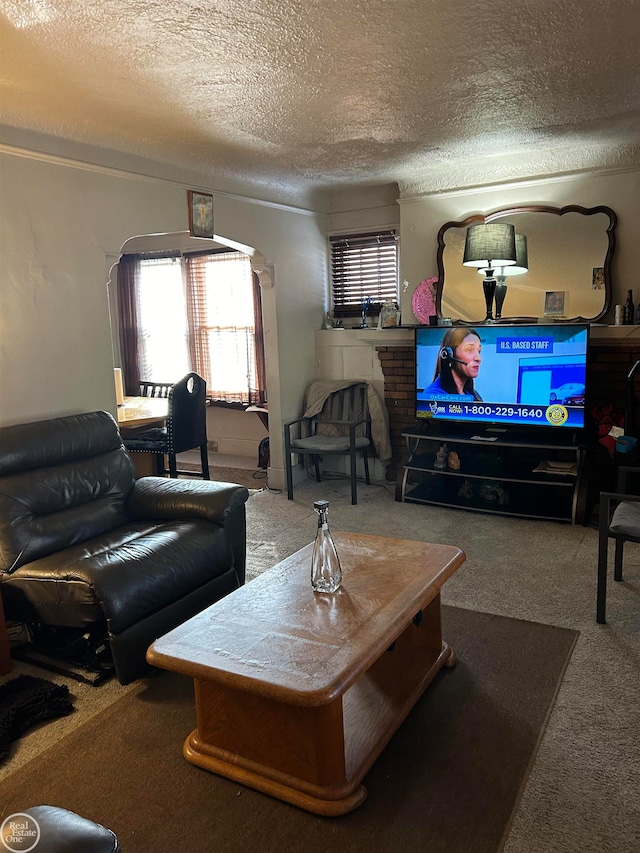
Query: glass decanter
x=326, y=572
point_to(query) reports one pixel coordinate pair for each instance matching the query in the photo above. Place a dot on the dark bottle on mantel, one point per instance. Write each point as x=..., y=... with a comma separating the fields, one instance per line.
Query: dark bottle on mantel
x=629, y=313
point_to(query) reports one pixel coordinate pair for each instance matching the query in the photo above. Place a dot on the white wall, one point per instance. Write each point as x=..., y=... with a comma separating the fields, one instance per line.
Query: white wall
x=62, y=223
x=235, y=433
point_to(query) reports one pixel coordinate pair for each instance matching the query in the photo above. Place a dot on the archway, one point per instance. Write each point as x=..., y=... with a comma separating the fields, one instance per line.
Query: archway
x=231, y=432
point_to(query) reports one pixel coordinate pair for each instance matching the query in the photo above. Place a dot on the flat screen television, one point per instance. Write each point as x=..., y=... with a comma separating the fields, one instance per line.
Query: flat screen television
x=516, y=375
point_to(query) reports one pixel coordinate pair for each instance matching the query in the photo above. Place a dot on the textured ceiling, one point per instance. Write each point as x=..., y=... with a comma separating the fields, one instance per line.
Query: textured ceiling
x=298, y=97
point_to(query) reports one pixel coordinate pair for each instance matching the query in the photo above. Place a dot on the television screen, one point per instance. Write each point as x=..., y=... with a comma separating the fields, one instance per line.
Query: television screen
x=521, y=375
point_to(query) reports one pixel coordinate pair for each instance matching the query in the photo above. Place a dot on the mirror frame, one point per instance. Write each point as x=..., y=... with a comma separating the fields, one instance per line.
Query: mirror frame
x=531, y=208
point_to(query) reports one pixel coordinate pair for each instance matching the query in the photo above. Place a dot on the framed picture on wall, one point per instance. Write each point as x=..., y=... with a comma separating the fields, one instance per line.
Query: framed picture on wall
x=200, y=214
x=554, y=303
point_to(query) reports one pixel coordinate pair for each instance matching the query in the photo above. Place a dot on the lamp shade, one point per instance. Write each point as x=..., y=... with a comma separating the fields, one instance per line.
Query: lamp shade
x=492, y=244
x=521, y=265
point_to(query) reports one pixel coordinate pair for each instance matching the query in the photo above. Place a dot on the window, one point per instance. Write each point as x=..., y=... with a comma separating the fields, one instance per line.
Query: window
x=222, y=320
x=163, y=334
x=363, y=265
x=200, y=312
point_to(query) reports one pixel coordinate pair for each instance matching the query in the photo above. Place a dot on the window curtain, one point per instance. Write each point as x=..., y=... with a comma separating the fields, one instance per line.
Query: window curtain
x=128, y=316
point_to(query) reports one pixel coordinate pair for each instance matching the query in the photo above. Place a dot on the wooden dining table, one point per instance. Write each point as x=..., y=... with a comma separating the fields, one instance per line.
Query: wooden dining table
x=142, y=412
x=139, y=413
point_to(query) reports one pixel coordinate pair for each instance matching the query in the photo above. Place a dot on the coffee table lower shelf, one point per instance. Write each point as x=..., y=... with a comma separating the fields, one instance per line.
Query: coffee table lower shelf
x=315, y=757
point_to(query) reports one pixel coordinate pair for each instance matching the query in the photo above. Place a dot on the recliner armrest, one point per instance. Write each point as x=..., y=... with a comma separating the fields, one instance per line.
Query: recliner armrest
x=160, y=498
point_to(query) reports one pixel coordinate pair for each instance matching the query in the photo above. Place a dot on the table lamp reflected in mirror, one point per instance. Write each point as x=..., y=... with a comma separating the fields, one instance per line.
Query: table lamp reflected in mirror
x=520, y=267
x=488, y=246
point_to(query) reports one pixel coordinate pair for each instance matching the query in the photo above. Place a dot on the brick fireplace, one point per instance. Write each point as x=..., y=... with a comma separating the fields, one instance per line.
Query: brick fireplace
x=398, y=368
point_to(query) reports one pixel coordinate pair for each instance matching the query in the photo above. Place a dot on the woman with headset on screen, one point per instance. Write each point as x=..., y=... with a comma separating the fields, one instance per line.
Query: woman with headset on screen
x=458, y=364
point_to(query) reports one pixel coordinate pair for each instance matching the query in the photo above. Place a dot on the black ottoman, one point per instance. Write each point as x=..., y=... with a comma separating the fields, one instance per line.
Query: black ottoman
x=62, y=831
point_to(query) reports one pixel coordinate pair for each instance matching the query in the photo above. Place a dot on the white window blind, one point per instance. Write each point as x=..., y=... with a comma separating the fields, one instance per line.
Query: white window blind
x=222, y=319
x=201, y=312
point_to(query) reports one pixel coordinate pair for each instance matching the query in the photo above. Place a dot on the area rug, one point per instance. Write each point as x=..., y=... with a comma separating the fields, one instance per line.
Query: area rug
x=449, y=780
x=26, y=701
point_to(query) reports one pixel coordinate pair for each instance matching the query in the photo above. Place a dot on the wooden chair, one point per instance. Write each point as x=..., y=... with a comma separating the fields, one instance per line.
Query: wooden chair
x=342, y=427
x=619, y=520
x=154, y=389
x=186, y=428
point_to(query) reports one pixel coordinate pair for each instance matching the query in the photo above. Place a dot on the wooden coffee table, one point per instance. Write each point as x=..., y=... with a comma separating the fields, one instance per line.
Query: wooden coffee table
x=297, y=693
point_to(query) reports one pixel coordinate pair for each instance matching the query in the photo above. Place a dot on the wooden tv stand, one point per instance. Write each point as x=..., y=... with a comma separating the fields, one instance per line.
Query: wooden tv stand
x=508, y=472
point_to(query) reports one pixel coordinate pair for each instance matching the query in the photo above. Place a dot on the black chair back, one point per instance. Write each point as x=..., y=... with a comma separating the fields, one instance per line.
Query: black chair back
x=154, y=389
x=187, y=417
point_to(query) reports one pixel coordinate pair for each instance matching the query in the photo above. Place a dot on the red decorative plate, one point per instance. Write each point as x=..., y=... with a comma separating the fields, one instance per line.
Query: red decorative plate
x=423, y=302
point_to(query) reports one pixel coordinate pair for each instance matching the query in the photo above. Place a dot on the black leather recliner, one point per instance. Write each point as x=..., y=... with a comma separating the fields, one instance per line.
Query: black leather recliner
x=84, y=544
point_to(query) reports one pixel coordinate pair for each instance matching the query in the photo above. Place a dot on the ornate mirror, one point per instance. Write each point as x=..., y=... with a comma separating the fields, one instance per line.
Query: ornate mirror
x=568, y=274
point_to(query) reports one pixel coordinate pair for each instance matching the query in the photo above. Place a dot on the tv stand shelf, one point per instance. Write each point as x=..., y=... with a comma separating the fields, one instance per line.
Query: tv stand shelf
x=518, y=473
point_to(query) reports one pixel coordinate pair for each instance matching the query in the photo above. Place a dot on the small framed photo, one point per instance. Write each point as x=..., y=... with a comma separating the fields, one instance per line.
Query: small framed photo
x=597, y=280
x=200, y=214
x=554, y=303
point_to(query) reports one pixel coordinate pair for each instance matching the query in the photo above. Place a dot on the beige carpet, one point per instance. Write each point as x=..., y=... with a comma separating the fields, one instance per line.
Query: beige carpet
x=448, y=781
x=582, y=793
x=250, y=477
